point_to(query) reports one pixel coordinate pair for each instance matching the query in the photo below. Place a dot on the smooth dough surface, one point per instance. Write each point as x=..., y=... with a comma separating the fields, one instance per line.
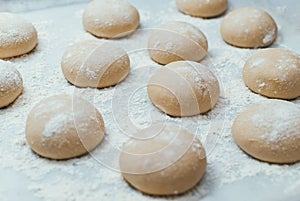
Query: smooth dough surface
x=270, y=131
x=170, y=160
x=175, y=41
x=11, y=83
x=95, y=64
x=17, y=35
x=184, y=88
x=110, y=18
x=249, y=28
x=274, y=73
x=63, y=127
x=202, y=8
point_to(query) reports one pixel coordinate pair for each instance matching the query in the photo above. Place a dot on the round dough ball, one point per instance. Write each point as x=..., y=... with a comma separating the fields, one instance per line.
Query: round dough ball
x=175, y=41
x=170, y=160
x=110, y=18
x=274, y=73
x=95, y=64
x=269, y=131
x=184, y=88
x=17, y=36
x=63, y=127
x=11, y=83
x=202, y=8
x=249, y=28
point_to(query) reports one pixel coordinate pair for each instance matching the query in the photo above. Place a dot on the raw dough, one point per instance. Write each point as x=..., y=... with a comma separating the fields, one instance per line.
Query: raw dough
x=270, y=131
x=17, y=35
x=274, y=73
x=95, y=64
x=249, y=28
x=110, y=18
x=11, y=83
x=202, y=8
x=176, y=41
x=184, y=88
x=163, y=160
x=63, y=127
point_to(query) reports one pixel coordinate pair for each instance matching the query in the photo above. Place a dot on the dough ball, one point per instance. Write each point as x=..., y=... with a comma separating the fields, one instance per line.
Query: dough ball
x=11, y=83
x=163, y=160
x=249, y=28
x=95, y=64
x=184, y=88
x=269, y=131
x=63, y=127
x=17, y=35
x=274, y=73
x=110, y=18
x=175, y=41
x=202, y=8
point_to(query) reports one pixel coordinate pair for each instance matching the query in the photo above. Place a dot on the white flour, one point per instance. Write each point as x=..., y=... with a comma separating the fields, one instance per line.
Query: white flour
x=93, y=177
x=282, y=124
x=16, y=31
x=10, y=78
x=57, y=125
x=269, y=37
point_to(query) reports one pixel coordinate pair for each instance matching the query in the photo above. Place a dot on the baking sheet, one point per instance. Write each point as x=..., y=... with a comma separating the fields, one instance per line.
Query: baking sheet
x=231, y=174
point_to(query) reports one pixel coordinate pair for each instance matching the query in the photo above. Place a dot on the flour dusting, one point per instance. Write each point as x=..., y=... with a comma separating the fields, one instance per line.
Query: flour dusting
x=10, y=78
x=58, y=125
x=278, y=121
x=269, y=37
x=96, y=175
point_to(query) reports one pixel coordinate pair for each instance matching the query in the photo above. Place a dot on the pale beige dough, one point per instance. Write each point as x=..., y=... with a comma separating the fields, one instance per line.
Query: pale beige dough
x=110, y=18
x=17, y=35
x=202, y=8
x=249, y=28
x=95, y=64
x=63, y=127
x=163, y=160
x=274, y=73
x=184, y=88
x=11, y=83
x=269, y=131
x=175, y=41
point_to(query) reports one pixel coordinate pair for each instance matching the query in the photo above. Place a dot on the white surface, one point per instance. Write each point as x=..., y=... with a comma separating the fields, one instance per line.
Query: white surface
x=231, y=174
